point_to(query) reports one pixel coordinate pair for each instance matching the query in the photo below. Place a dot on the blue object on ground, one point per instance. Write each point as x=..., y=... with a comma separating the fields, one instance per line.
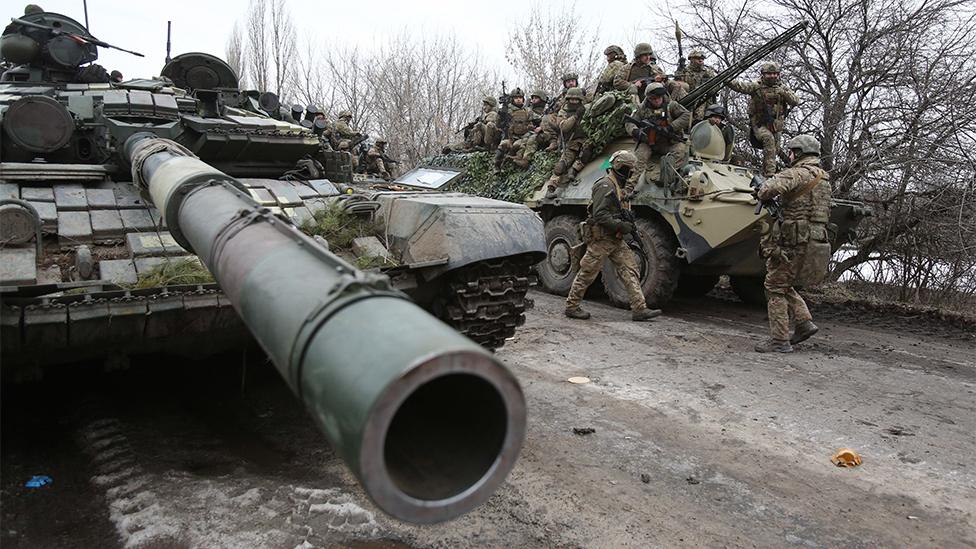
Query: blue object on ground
x=37, y=481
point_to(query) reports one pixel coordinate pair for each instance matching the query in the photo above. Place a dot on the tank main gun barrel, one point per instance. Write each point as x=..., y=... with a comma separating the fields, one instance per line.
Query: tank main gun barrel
x=711, y=86
x=429, y=422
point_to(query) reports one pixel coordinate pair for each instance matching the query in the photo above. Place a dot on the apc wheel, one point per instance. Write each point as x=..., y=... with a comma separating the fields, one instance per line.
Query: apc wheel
x=557, y=270
x=750, y=289
x=690, y=285
x=659, y=268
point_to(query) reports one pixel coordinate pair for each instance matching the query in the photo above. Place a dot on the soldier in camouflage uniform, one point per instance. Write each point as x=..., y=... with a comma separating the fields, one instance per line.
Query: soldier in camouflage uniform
x=665, y=137
x=570, y=80
x=769, y=102
x=344, y=134
x=804, y=195
x=519, y=126
x=482, y=133
x=525, y=148
x=715, y=115
x=377, y=161
x=694, y=75
x=616, y=58
x=576, y=150
x=639, y=72
x=607, y=225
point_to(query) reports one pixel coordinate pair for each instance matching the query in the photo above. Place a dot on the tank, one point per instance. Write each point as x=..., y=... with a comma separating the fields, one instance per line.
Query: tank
x=167, y=215
x=699, y=223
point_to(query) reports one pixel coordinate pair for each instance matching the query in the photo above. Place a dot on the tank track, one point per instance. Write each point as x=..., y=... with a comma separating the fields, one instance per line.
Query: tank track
x=486, y=300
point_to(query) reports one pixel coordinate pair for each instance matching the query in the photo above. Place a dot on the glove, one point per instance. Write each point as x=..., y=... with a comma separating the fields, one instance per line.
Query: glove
x=638, y=135
x=627, y=227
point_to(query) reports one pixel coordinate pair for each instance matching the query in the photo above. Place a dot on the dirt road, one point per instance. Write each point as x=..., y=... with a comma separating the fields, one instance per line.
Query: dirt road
x=698, y=442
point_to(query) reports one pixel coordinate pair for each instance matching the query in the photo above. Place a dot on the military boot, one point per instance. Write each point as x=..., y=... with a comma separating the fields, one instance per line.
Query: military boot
x=499, y=158
x=520, y=162
x=804, y=331
x=644, y=314
x=774, y=346
x=550, y=192
x=577, y=312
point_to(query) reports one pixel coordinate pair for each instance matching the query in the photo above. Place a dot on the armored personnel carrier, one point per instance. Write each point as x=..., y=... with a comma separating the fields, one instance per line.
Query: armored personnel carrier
x=696, y=224
x=164, y=215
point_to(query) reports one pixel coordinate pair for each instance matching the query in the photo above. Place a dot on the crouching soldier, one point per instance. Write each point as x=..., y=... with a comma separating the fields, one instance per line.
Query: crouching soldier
x=606, y=226
x=576, y=149
x=377, y=161
x=663, y=123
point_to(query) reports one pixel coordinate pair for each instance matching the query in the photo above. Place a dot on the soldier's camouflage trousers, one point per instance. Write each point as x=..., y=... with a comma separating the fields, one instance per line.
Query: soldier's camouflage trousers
x=770, y=146
x=618, y=252
x=649, y=160
x=571, y=161
x=782, y=300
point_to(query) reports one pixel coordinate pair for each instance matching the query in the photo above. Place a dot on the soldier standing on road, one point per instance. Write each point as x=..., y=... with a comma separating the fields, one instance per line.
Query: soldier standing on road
x=769, y=103
x=639, y=72
x=576, y=149
x=377, y=162
x=607, y=225
x=694, y=75
x=616, y=58
x=666, y=136
x=804, y=194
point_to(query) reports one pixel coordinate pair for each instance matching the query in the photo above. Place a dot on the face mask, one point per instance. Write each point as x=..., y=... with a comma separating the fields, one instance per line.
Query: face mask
x=624, y=172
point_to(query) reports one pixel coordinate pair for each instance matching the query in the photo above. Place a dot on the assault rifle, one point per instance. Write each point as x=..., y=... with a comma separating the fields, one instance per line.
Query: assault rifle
x=504, y=115
x=551, y=104
x=79, y=38
x=773, y=206
x=711, y=86
x=681, y=54
x=467, y=127
x=652, y=129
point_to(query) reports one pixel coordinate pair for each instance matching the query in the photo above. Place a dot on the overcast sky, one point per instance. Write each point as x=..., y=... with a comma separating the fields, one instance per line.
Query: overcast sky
x=204, y=25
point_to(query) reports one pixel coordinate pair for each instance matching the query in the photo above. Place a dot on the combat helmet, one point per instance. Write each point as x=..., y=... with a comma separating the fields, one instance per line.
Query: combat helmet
x=517, y=92
x=541, y=94
x=716, y=110
x=570, y=76
x=490, y=100
x=344, y=114
x=771, y=66
x=696, y=54
x=614, y=50
x=575, y=93
x=643, y=49
x=806, y=144
x=655, y=88
x=623, y=158
x=381, y=141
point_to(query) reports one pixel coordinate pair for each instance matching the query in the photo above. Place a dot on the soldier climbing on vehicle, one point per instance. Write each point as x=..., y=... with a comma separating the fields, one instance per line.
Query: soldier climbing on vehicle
x=658, y=127
x=576, y=150
x=769, y=103
x=796, y=246
x=604, y=234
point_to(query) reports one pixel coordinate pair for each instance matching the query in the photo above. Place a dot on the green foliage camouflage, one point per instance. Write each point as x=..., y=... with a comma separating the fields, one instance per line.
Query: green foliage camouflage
x=514, y=184
x=339, y=228
x=174, y=272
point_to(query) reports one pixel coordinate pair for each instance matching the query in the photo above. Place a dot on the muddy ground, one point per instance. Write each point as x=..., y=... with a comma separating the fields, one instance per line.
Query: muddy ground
x=698, y=442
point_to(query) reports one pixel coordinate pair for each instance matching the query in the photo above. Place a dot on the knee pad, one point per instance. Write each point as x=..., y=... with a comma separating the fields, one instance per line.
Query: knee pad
x=560, y=167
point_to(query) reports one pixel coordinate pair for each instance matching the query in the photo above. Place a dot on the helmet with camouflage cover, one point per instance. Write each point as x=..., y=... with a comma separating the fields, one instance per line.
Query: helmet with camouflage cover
x=570, y=76
x=623, y=158
x=696, y=54
x=541, y=94
x=517, y=92
x=381, y=141
x=643, y=49
x=805, y=144
x=613, y=50
x=770, y=66
x=715, y=110
x=655, y=88
x=344, y=114
x=490, y=100
x=575, y=93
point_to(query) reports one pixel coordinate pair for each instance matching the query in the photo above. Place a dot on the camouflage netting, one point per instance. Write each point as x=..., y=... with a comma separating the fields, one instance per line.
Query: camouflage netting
x=514, y=184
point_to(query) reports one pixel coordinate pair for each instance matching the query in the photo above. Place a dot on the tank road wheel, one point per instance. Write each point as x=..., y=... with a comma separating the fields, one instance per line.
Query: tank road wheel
x=557, y=270
x=750, y=289
x=485, y=300
x=690, y=285
x=659, y=267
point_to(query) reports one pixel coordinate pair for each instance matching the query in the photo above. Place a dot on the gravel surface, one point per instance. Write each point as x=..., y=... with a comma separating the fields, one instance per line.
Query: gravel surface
x=683, y=437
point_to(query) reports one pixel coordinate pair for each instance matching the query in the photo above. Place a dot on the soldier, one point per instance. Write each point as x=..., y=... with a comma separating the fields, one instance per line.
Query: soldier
x=616, y=58
x=570, y=80
x=663, y=133
x=480, y=134
x=576, y=149
x=604, y=238
x=525, y=148
x=769, y=102
x=639, y=72
x=716, y=116
x=344, y=135
x=377, y=162
x=804, y=194
x=694, y=75
x=519, y=125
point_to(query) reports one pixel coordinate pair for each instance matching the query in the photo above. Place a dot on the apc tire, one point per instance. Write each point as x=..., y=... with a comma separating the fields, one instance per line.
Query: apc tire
x=557, y=270
x=659, y=269
x=691, y=285
x=749, y=289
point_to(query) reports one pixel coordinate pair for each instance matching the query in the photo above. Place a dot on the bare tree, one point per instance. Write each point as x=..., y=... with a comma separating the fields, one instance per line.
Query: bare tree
x=234, y=50
x=257, y=52
x=283, y=44
x=550, y=42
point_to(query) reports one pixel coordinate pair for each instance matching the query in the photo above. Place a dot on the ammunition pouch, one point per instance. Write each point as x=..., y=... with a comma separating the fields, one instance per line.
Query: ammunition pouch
x=586, y=231
x=813, y=267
